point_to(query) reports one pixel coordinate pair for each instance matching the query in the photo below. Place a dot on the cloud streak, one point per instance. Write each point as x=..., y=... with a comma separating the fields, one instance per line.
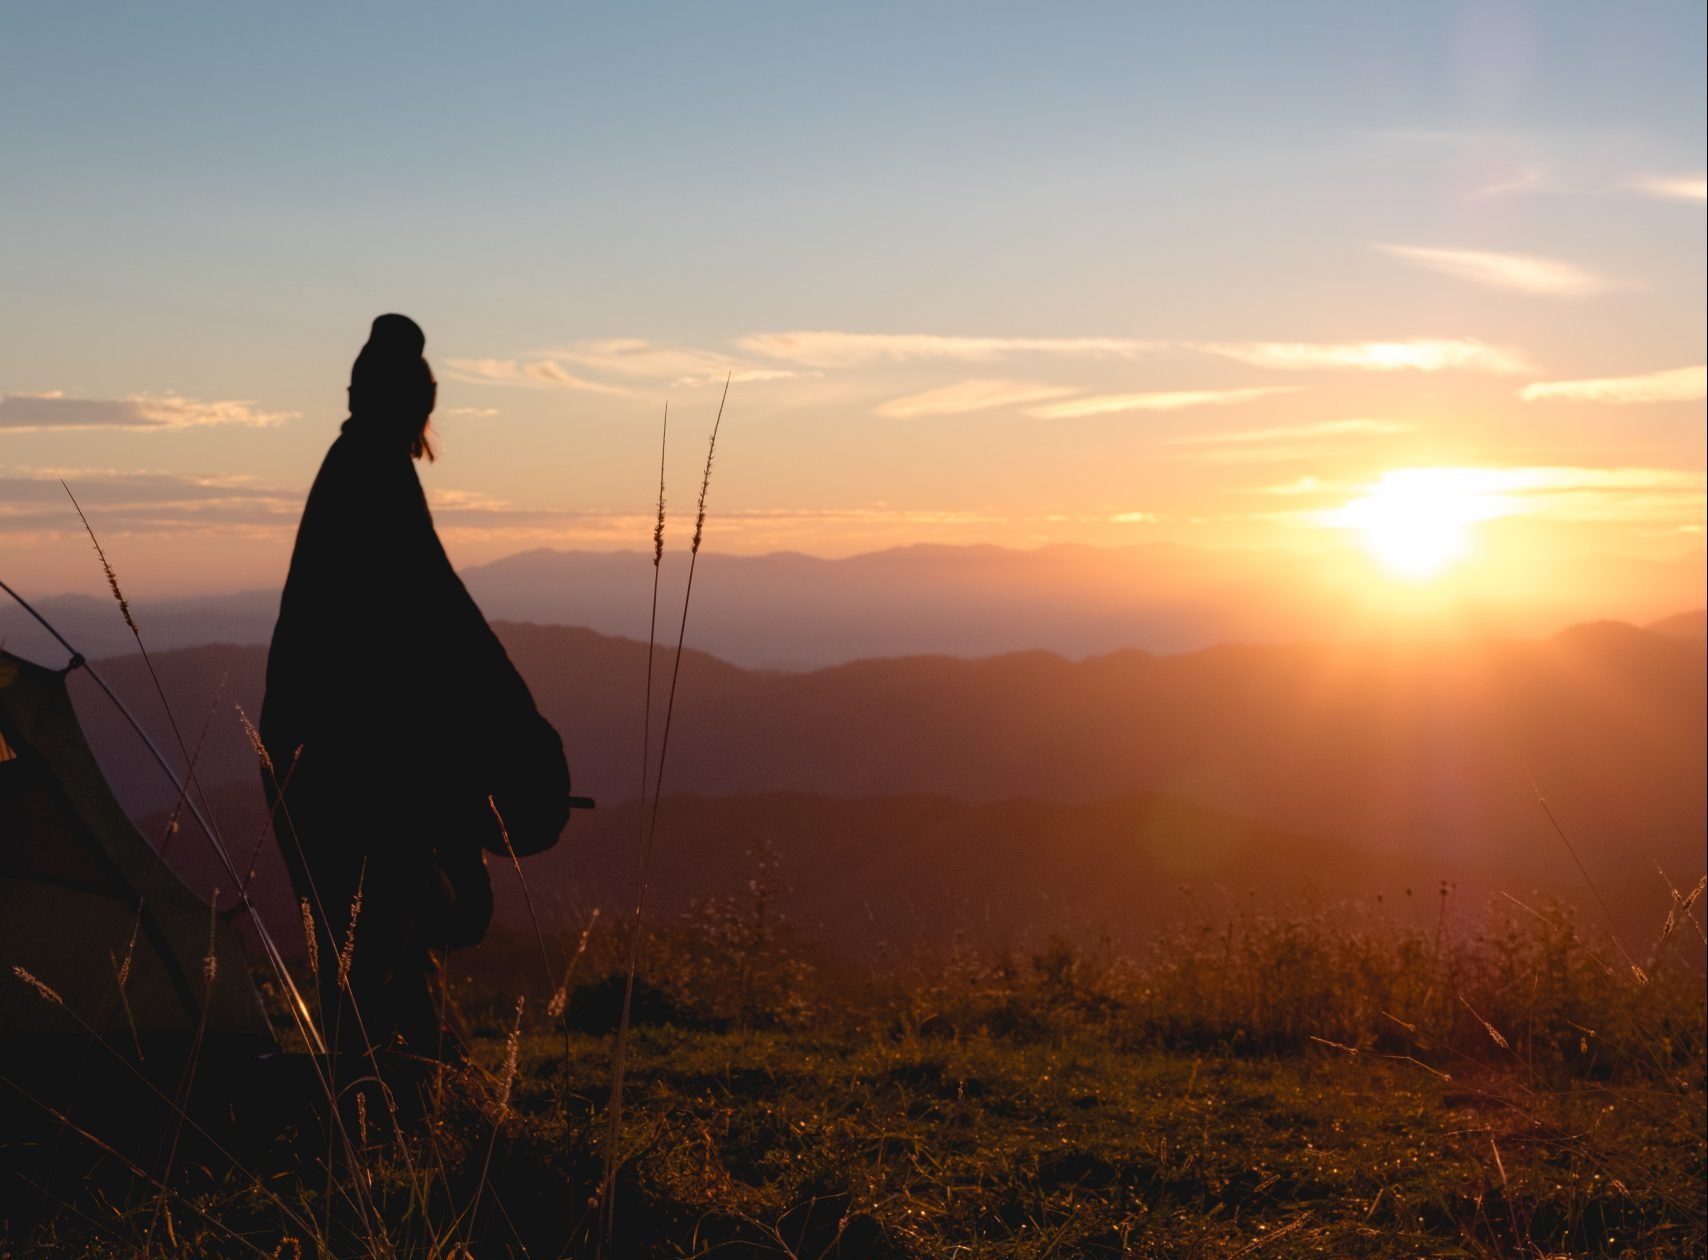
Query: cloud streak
x=1550, y=492
x=1689, y=186
x=1165, y=400
x=827, y=349
x=969, y=396
x=1686, y=384
x=1520, y=273
x=1417, y=355
x=54, y=410
x=33, y=501
x=638, y=359
x=1320, y=430
x=538, y=373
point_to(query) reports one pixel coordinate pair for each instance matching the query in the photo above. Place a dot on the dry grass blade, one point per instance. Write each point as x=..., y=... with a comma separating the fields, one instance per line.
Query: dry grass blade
x=560, y=995
x=1257, y=1244
x=106, y=566
x=190, y=779
x=1612, y=924
x=121, y=978
x=1493, y=1032
x=310, y=939
x=501, y=1112
x=540, y=939
x=347, y=955
x=650, y=817
x=40, y=986
x=658, y=527
x=645, y=847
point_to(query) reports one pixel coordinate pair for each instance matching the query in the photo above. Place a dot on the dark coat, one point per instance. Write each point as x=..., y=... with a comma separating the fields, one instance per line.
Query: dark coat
x=392, y=710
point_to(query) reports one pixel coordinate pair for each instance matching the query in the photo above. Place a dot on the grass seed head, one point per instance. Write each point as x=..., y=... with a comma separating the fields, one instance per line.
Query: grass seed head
x=512, y=1050
x=40, y=986
x=309, y=938
x=255, y=739
x=130, y=948
x=112, y=578
x=347, y=955
x=706, y=477
x=658, y=528
x=210, y=961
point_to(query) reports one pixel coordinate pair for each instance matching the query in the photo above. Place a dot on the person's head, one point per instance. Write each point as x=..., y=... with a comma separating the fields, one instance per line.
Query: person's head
x=392, y=390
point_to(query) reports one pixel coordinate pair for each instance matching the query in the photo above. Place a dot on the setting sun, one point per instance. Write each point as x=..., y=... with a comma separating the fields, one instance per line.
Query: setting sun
x=1417, y=521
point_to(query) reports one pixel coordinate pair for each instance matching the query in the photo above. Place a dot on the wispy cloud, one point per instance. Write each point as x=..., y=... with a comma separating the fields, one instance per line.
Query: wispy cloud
x=968, y=396
x=1167, y=400
x=139, y=411
x=1686, y=384
x=1133, y=518
x=540, y=373
x=1321, y=429
x=1688, y=186
x=33, y=501
x=1526, y=179
x=1416, y=355
x=1522, y=273
x=826, y=349
x=635, y=358
x=742, y=529
x=1560, y=493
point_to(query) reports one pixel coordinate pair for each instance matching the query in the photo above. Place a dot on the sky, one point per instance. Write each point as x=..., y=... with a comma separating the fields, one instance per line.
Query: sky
x=1415, y=290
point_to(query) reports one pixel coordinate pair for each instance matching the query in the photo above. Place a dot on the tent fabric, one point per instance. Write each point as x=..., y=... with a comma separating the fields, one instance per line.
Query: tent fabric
x=82, y=892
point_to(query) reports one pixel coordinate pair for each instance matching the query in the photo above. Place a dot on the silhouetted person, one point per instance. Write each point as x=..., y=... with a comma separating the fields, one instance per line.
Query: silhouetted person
x=392, y=713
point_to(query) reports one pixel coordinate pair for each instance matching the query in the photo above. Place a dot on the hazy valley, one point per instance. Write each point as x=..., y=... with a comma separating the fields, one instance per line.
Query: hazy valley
x=908, y=797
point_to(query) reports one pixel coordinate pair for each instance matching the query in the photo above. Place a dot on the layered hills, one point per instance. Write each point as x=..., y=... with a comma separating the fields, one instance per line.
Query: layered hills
x=1311, y=762
x=799, y=612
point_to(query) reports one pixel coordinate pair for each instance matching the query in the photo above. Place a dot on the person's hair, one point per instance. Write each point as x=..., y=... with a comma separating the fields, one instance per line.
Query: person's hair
x=391, y=387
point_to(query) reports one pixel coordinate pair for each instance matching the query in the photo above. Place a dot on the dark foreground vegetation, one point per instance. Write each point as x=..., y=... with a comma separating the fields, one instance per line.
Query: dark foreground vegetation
x=1331, y=1084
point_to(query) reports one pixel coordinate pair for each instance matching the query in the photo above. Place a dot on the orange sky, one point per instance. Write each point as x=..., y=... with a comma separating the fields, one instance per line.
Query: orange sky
x=1227, y=285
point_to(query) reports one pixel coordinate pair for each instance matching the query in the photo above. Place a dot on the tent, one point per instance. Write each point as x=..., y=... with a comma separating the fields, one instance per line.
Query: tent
x=86, y=902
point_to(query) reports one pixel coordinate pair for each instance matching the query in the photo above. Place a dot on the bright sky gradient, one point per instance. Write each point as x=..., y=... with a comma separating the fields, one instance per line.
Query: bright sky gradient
x=982, y=273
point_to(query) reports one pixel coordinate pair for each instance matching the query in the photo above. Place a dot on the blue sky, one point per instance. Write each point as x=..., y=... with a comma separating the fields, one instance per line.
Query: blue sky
x=207, y=204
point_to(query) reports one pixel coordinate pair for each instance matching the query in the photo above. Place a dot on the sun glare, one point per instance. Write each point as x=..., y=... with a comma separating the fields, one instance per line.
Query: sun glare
x=1417, y=522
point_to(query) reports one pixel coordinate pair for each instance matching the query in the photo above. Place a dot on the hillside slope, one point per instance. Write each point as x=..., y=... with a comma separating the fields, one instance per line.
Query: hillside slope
x=1434, y=752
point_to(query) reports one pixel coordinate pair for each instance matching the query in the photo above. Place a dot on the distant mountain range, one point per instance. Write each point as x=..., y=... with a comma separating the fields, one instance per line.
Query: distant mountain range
x=799, y=612
x=1431, y=756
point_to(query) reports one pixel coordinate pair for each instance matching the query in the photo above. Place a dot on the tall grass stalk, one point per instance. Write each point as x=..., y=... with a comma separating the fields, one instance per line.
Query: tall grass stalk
x=171, y=830
x=649, y=819
x=512, y=1049
x=545, y=961
x=191, y=781
x=1612, y=924
x=186, y=1080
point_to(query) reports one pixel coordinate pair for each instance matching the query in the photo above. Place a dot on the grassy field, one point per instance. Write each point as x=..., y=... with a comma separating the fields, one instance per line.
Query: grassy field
x=1325, y=1085
x=983, y=1146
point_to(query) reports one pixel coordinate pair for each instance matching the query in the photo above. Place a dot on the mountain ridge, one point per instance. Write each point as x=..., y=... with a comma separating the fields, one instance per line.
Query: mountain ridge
x=796, y=611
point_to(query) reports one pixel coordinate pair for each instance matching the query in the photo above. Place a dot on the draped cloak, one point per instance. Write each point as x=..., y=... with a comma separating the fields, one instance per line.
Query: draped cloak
x=392, y=713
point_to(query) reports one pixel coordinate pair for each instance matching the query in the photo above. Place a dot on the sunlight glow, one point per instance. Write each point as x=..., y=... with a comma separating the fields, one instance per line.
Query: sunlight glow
x=1416, y=521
